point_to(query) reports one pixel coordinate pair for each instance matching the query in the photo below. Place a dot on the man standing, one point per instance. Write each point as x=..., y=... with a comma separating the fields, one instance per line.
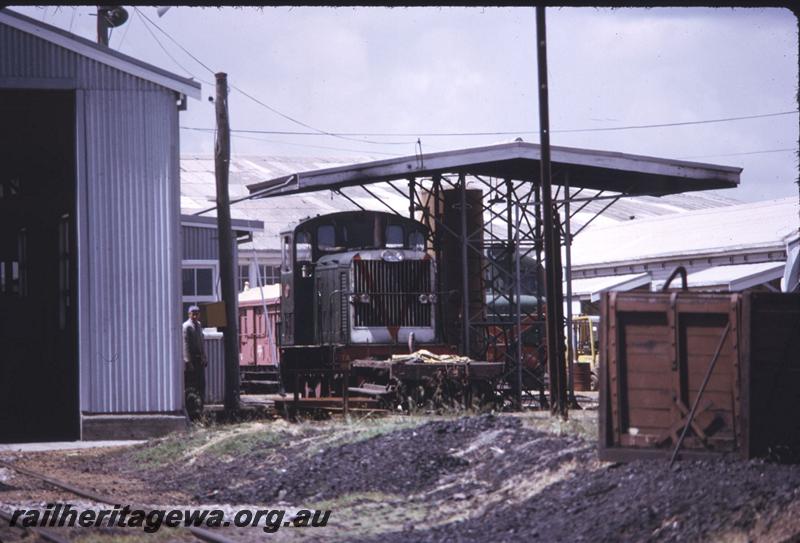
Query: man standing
x=194, y=363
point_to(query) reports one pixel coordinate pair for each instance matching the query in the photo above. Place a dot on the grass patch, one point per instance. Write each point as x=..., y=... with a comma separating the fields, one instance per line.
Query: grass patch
x=165, y=450
x=243, y=443
x=581, y=424
x=340, y=434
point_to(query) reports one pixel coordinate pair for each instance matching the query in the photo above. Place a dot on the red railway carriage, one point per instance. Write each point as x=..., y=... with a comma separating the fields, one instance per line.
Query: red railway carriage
x=258, y=338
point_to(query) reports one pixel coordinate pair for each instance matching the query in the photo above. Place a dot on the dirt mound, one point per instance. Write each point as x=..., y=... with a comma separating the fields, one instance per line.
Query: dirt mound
x=503, y=478
x=722, y=500
x=407, y=461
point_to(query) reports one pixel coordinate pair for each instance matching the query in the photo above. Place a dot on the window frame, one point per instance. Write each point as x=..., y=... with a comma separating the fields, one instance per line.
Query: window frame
x=213, y=265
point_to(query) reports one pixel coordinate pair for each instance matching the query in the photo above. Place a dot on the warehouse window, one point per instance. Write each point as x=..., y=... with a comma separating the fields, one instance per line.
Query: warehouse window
x=244, y=276
x=199, y=279
x=270, y=275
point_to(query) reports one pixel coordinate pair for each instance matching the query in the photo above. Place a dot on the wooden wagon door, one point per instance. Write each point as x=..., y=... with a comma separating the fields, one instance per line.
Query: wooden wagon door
x=658, y=349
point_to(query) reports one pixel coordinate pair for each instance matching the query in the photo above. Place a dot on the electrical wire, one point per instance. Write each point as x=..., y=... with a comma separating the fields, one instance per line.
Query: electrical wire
x=125, y=34
x=317, y=130
x=740, y=154
x=197, y=60
x=72, y=19
x=663, y=125
x=499, y=133
x=354, y=136
x=261, y=103
x=182, y=67
x=313, y=146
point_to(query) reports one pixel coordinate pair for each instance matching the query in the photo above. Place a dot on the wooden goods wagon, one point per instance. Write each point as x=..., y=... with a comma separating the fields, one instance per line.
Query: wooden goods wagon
x=727, y=365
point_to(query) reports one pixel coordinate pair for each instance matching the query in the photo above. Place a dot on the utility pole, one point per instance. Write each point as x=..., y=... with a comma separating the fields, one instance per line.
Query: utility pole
x=102, y=26
x=222, y=156
x=552, y=239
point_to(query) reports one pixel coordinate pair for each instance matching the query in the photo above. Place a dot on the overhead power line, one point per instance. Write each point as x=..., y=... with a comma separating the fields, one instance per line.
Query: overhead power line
x=166, y=52
x=318, y=131
x=740, y=154
x=314, y=146
x=260, y=102
x=182, y=48
x=496, y=133
x=663, y=125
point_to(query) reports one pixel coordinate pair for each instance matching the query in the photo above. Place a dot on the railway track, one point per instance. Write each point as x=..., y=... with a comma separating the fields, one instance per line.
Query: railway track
x=200, y=534
x=40, y=534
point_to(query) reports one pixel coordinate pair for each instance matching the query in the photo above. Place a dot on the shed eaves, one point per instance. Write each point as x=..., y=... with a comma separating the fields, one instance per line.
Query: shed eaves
x=755, y=225
x=586, y=168
x=198, y=192
x=101, y=54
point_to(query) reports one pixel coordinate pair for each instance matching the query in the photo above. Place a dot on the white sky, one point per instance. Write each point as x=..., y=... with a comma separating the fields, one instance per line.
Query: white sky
x=437, y=69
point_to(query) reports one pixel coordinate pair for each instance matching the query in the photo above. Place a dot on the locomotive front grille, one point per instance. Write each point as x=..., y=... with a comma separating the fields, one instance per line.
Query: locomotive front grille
x=393, y=290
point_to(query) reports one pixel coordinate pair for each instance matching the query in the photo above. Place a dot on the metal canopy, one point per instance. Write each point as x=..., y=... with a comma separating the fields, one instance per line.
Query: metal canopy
x=507, y=176
x=598, y=170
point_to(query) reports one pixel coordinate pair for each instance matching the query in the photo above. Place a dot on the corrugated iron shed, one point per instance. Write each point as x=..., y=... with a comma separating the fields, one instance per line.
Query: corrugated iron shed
x=127, y=215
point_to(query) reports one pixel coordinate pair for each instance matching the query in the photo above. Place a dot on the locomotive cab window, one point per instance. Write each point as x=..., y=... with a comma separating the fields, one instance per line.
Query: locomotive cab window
x=416, y=240
x=326, y=238
x=303, y=247
x=394, y=236
x=286, y=254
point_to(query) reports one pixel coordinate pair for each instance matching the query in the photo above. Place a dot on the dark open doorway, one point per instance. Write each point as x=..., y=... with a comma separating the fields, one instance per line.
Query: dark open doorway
x=38, y=329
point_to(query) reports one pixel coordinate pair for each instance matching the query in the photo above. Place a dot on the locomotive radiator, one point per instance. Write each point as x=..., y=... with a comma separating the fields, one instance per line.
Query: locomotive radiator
x=393, y=293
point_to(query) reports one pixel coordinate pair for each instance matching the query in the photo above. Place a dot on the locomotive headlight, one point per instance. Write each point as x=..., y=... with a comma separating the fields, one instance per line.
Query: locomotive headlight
x=363, y=298
x=390, y=255
x=432, y=298
x=423, y=298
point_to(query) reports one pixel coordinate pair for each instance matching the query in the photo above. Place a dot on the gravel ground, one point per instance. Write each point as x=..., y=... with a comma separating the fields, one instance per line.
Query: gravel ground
x=477, y=478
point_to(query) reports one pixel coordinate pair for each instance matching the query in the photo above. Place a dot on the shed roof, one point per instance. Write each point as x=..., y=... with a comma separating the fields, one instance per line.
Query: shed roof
x=105, y=55
x=744, y=227
x=733, y=278
x=590, y=288
x=586, y=168
x=198, y=192
x=240, y=225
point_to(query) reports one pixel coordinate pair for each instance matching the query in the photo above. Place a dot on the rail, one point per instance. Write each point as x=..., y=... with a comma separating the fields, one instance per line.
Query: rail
x=199, y=533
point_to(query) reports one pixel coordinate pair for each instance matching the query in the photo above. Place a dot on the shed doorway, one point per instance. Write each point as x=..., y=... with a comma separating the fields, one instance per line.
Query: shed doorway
x=38, y=330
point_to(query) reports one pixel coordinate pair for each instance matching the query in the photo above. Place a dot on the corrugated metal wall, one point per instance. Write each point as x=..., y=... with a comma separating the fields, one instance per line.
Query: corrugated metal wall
x=215, y=371
x=133, y=350
x=128, y=227
x=200, y=243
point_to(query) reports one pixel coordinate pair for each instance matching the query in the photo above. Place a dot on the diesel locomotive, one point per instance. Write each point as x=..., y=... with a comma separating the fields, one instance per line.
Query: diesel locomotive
x=358, y=294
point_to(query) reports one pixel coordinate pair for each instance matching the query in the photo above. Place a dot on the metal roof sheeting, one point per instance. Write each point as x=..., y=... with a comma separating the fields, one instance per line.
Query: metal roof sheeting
x=54, y=53
x=585, y=168
x=591, y=288
x=737, y=277
x=742, y=227
x=198, y=192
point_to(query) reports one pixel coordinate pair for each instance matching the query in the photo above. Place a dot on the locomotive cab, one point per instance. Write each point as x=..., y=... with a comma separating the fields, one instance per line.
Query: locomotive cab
x=356, y=284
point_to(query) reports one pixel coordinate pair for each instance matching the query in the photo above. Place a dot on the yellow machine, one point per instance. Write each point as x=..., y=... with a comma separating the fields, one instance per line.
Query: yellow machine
x=585, y=335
